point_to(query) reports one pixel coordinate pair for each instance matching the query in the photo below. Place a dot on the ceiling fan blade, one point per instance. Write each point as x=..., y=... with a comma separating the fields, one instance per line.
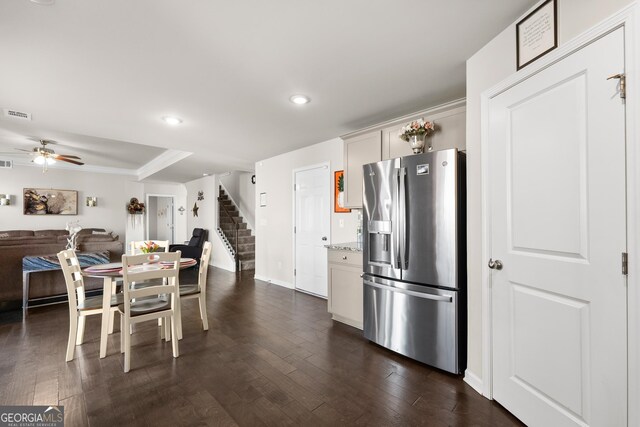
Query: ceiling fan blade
x=69, y=161
x=26, y=151
x=57, y=156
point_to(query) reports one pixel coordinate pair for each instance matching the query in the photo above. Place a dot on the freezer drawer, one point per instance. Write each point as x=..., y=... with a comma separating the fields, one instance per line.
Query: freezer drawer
x=417, y=321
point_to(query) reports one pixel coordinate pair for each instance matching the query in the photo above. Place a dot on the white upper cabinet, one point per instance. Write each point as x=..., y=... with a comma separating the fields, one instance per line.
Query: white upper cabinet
x=358, y=151
x=450, y=133
x=381, y=142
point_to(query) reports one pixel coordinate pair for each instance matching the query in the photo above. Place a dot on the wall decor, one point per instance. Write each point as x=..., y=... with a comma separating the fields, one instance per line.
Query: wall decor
x=42, y=201
x=135, y=207
x=92, y=202
x=136, y=210
x=338, y=192
x=195, y=209
x=200, y=195
x=5, y=199
x=537, y=33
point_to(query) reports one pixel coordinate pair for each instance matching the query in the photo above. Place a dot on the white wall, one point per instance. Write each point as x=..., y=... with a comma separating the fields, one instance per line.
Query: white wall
x=136, y=224
x=110, y=213
x=247, y=199
x=492, y=64
x=274, y=223
x=207, y=218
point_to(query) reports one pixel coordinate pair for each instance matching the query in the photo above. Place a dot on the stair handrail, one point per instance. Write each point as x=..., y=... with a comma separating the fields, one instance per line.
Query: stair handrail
x=241, y=212
x=236, y=226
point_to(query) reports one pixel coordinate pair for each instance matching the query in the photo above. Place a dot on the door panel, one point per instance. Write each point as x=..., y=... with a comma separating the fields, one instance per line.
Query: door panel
x=312, y=225
x=418, y=321
x=557, y=200
x=380, y=219
x=431, y=218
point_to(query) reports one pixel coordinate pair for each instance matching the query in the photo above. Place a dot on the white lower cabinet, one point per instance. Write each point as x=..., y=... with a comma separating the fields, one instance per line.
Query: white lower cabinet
x=345, y=287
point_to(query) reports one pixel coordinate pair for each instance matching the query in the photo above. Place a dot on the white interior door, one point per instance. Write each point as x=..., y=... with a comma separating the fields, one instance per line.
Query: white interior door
x=557, y=202
x=161, y=221
x=312, y=228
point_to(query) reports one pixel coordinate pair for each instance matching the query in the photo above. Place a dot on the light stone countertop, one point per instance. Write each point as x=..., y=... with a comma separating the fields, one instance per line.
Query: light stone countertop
x=348, y=246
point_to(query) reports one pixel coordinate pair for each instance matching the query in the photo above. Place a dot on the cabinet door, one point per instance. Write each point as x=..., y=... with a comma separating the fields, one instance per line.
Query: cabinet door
x=345, y=296
x=450, y=133
x=359, y=151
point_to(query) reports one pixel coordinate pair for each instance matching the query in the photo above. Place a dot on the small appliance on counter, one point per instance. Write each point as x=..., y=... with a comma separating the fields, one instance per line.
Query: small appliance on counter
x=414, y=257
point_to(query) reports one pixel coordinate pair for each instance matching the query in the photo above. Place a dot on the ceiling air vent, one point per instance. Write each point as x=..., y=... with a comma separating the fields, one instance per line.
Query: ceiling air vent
x=6, y=164
x=16, y=114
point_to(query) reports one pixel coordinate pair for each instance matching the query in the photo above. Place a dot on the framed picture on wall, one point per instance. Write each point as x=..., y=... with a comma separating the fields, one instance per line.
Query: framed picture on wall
x=338, y=193
x=537, y=33
x=43, y=201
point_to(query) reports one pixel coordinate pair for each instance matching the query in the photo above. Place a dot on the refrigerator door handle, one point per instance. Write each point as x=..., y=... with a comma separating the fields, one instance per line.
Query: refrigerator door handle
x=396, y=227
x=402, y=218
x=443, y=298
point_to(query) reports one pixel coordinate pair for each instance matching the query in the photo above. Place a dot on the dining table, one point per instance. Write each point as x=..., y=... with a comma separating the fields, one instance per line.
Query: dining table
x=110, y=274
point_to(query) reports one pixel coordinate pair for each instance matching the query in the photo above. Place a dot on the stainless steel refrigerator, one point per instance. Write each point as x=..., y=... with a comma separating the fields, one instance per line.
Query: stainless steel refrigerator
x=414, y=251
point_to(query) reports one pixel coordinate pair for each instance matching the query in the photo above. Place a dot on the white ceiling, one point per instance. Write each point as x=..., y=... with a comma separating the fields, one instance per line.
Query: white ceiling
x=98, y=75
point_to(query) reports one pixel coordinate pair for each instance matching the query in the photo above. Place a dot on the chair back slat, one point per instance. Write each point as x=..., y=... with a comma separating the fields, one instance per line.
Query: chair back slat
x=204, y=267
x=135, y=269
x=73, y=277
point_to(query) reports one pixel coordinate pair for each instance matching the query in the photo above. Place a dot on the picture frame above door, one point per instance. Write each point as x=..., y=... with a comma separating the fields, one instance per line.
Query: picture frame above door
x=537, y=34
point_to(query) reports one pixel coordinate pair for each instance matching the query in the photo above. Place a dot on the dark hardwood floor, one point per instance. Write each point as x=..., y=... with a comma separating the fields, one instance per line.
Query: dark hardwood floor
x=272, y=357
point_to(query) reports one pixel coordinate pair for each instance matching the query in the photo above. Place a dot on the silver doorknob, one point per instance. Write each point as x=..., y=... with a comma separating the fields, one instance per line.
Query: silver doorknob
x=495, y=265
x=324, y=238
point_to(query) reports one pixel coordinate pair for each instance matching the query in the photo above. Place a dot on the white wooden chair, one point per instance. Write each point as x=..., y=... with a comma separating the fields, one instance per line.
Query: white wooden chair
x=134, y=249
x=199, y=290
x=79, y=306
x=148, y=304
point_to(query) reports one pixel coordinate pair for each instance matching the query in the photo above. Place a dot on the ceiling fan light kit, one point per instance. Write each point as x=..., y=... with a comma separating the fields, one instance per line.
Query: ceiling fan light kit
x=46, y=156
x=41, y=160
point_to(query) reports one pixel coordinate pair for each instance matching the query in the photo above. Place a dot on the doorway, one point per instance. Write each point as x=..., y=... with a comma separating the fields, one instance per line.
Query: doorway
x=557, y=232
x=312, y=210
x=160, y=217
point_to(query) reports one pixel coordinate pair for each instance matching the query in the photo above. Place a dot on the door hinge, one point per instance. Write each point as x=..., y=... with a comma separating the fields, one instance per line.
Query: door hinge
x=294, y=271
x=623, y=83
x=625, y=263
x=294, y=229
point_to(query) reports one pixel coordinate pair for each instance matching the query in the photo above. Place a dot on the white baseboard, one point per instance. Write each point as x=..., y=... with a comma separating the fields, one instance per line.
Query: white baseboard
x=473, y=380
x=224, y=266
x=274, y=281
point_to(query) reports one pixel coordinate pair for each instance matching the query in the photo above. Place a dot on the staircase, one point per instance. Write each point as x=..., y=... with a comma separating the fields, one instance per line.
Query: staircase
x=227, y=214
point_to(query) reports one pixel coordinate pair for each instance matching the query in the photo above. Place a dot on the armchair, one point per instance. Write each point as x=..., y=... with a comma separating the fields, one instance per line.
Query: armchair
x=193, y=249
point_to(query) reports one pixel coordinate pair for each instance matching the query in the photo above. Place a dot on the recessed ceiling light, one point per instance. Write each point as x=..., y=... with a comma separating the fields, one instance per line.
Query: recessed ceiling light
x=300, y=99
x=43, y=2
x=173, y=121
x=205, y=174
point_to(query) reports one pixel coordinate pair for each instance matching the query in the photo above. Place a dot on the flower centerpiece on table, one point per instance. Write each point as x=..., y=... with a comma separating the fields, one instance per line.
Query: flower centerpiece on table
x=149, y=247
x=415, y=133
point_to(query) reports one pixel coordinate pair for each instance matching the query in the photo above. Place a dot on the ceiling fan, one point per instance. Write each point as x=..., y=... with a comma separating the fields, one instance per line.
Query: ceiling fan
x=46, y=156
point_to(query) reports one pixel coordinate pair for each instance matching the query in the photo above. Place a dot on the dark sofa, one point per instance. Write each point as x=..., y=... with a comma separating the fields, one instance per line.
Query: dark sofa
x=21, y=243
